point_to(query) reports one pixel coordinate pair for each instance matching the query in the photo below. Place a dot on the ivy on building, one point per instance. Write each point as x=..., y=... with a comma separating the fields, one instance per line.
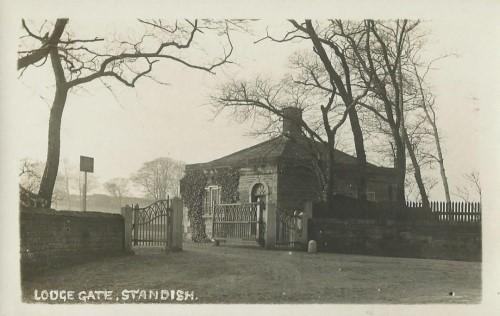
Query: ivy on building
x=192, y=188
x=228, y=180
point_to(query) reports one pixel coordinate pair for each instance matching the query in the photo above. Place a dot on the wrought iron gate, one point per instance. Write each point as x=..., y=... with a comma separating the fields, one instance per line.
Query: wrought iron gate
x=238, y=222
x=288, y=229
x=152, y=225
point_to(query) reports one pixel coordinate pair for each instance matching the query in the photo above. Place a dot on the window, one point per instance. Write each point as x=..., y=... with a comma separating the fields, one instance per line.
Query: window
x=212, y=198
x=370, y=196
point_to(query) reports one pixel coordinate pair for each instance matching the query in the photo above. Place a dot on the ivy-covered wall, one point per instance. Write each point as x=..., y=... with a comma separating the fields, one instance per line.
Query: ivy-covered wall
x=193, y=188
x=228, y=180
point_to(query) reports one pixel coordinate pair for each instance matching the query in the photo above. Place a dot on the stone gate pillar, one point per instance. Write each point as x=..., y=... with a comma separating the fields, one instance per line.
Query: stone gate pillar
x=270, y=237
x=177, y=229
x=127, y=213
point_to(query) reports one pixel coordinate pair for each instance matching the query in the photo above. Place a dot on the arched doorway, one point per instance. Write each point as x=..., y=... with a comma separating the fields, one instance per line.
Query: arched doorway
x=259, y=194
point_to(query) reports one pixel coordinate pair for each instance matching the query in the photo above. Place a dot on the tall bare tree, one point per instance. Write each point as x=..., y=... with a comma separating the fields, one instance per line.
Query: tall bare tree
x=160, y=177
x=264, y=99
x=333, y=53
x=381, y=60
x=427, y=104
x=77, y=61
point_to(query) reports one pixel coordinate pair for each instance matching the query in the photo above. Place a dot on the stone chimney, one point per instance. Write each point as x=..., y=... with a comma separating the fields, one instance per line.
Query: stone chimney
x=292, y=116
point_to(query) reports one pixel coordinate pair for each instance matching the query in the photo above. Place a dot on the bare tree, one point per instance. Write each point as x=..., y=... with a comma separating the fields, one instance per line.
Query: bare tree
x=427, y=102
x=117, y=187
x=264, y=99
x=333, y=53
x=382, y=60
x=472, y=184
x=30, y=176
x=160, y=177
x=77, y=61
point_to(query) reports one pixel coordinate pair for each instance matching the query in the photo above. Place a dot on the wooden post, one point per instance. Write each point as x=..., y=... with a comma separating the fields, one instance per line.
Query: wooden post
x=127, y=212
x=177, y=207
x=270, y=237
x=84, y=200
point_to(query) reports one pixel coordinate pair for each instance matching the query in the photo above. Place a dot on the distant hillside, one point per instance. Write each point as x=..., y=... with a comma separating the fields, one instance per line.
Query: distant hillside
x=99, y=203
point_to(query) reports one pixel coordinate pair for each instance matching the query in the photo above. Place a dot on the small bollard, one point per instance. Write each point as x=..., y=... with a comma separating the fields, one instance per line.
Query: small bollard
x=312, y=247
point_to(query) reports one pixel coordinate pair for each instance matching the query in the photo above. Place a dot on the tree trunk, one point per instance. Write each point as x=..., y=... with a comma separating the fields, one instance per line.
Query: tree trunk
x=357, y=134
x=417, y=173
x=330, y=183
x=54, y=146
x=400, y=165
x=440, y=156
x=432, y=120
x=444, y=179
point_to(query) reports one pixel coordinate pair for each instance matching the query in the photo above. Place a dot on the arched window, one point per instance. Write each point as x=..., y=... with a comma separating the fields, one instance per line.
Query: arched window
x=258, y=193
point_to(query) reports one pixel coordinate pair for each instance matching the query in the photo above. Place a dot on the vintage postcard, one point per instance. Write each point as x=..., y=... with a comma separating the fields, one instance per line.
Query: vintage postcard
x=250, y=161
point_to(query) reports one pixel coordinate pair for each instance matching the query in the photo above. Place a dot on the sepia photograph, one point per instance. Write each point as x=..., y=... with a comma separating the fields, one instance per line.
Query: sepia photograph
x=192, y=159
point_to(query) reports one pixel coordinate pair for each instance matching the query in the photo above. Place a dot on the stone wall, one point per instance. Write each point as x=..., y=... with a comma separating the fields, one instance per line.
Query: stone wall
x=50, y=238
x=398, y=239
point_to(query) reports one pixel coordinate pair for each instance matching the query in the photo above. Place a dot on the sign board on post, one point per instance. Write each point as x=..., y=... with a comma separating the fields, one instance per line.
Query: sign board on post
x=86, y=165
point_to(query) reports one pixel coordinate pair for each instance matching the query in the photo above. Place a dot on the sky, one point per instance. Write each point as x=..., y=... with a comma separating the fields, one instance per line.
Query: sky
x=131, y=126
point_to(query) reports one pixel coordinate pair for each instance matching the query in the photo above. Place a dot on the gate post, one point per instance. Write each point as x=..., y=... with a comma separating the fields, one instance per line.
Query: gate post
x=177, y=214
x=306, y=216
x=136, y=228
x=127, y=214
x=270, y=237
x=168, y=228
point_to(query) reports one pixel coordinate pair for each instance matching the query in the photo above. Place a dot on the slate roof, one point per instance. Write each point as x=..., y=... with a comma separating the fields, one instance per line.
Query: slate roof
x=276, y=149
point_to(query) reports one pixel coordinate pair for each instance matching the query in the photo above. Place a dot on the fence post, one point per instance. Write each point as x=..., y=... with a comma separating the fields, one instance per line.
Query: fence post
x=270, y=239
x=176, y=219
x=127, y=214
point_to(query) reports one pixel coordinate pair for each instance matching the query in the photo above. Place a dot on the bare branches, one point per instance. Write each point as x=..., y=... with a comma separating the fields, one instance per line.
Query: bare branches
x=472, y=184
x=30, y=33
x=83, y=63
x=261, y=99
x=47, y=41
x=78, y=61
x=159, y=24
x=289, y=36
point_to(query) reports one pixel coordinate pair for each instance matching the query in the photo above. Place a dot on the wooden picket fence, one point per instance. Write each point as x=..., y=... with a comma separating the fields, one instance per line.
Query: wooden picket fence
x=451, y=212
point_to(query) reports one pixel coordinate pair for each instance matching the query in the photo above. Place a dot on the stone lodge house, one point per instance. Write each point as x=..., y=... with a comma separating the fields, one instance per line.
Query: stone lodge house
x=279, y=170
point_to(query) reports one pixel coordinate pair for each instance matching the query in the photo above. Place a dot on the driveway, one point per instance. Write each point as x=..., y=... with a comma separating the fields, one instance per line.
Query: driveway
x=203, y=273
